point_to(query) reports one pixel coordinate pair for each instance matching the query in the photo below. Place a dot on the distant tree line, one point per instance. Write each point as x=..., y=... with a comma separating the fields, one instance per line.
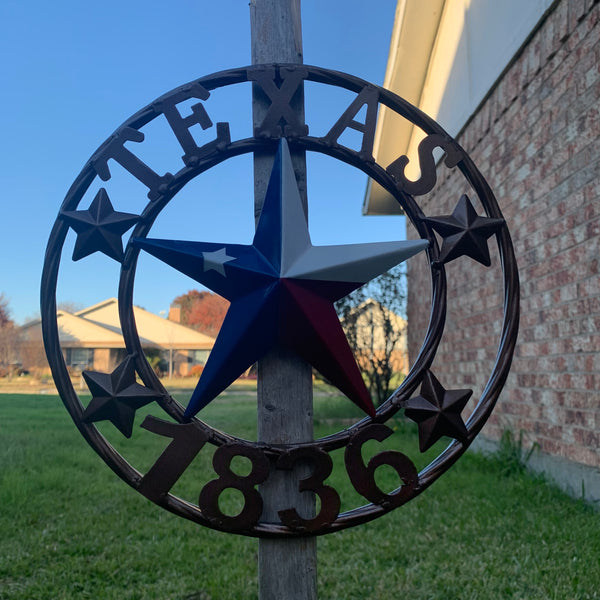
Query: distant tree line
x=9, y=337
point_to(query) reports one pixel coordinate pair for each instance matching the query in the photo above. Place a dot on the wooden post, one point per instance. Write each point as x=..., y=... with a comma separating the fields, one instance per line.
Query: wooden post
x=287, y=568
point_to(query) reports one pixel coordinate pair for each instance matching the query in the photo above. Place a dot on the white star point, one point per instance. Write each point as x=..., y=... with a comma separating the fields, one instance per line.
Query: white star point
x=215, y=261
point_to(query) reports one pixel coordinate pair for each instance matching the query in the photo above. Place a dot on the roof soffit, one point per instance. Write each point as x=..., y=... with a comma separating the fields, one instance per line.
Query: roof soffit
x=414, y=34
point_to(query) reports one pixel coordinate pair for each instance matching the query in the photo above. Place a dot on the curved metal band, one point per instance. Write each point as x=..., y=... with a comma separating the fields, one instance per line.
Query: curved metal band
x=216, y=156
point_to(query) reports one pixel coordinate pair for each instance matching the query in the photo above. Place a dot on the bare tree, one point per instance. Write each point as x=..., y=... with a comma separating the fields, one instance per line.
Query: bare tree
x=33, y=356
x=4, y=311
x=8, y=339
x=373, y=320
x=70, y=306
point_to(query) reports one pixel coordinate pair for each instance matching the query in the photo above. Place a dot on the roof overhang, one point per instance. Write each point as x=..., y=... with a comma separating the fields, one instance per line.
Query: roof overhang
x=413, y=38
x=445, y=58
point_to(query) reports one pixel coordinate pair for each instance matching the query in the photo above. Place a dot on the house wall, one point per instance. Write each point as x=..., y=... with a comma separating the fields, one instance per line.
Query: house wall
x=181, y=366
x=535, y=139
x=475, y=41
x=102, y=360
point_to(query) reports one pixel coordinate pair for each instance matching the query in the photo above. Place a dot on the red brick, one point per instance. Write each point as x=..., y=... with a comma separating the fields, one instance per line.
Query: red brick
x=535, y=141
x=577, y=10
x=562, y=21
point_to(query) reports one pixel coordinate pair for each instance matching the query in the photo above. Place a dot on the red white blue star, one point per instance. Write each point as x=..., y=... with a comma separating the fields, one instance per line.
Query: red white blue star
x=282, y=290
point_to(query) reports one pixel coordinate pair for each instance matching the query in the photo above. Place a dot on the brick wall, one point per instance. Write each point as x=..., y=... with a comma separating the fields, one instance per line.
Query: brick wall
x=536, y=140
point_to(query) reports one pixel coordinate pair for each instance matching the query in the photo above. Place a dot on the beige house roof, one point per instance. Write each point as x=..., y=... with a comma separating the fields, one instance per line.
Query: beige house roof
x=75, y=332
x=152, y=329
x=99, y=327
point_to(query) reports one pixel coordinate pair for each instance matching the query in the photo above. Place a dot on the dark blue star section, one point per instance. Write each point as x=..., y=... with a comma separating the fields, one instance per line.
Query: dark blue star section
x=281, y=290
x=465, y=233
x=437, y=412
x=116, y=396
x=100, y=228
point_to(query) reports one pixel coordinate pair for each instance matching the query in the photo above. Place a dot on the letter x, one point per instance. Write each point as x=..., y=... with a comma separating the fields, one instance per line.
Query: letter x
x=280, y=98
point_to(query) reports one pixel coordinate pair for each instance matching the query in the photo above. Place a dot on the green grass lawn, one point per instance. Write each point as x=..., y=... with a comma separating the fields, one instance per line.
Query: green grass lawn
x=71, y=529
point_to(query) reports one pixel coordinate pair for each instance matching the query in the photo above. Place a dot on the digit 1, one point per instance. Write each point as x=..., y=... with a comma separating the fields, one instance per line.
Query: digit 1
x=188, y=440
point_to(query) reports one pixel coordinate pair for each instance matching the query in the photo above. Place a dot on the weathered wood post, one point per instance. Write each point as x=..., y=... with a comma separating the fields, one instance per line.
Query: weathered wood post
x=286, y=567
x=281, y=288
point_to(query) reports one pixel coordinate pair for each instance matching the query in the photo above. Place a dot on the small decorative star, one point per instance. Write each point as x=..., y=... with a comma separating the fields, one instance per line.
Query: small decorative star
x=465, y=233
x=437, y=412
x=216, y=260
x=100, y=228
x=282, y=290
x=116, y=396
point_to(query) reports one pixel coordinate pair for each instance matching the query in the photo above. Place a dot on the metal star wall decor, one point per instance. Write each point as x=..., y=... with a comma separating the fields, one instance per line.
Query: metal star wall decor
x=465, y=233
x=116, y=397
x=437, y=412
x=100, y=228
x=281, y=289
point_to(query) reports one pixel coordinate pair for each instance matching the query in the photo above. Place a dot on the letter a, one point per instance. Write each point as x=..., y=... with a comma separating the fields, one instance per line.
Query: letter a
x=369, y=96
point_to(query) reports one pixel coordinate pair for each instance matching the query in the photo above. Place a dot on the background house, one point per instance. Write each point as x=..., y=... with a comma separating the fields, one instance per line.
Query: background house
x=91, y=339
x=518, y=84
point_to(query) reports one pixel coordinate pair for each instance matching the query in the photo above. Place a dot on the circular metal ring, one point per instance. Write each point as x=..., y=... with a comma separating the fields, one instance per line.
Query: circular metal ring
x=298, y=139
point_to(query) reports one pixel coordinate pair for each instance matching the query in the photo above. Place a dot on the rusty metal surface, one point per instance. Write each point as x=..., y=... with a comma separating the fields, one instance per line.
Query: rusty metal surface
x=460, y=241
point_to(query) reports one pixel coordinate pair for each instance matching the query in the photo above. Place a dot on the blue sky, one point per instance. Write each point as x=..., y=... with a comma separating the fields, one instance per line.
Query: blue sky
x=72, y=72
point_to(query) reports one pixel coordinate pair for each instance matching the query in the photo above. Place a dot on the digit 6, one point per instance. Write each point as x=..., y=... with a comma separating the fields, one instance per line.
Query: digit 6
x=363, y=476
